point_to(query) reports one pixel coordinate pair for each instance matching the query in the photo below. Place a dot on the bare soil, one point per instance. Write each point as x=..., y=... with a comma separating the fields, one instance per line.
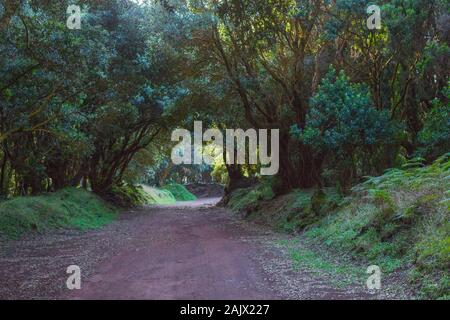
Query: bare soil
x=187, y=251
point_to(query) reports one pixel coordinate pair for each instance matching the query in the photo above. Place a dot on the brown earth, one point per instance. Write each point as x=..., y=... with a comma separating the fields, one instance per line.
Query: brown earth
x=188, y=251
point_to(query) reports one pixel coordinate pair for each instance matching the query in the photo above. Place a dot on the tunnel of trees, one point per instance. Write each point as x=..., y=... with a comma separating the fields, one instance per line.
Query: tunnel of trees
x=95, y=107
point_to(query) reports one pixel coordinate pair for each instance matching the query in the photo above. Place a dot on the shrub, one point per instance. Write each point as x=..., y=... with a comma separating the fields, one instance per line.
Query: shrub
x=247, y=199
x=434, y=139
x=342, y=124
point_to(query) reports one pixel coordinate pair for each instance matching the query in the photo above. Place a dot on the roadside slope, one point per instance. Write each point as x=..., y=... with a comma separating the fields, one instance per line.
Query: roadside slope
x=399, y=221
x=191, y=250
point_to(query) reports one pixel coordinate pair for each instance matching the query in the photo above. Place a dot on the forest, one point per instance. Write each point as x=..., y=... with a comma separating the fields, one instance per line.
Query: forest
x=363, y=114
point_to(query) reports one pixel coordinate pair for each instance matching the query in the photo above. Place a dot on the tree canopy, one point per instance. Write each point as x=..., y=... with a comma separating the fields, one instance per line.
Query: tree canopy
x=95, y=107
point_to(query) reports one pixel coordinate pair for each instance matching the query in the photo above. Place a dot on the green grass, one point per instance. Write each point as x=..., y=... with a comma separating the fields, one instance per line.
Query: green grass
x=246, y=199
x=398, y=220
x=180, y=192
x=72, y=208
x=158, y=196
x=289, y=213
x=401, y=219
x=141, y=195
x=341, y=273
x=304, y=208
x=66, y=209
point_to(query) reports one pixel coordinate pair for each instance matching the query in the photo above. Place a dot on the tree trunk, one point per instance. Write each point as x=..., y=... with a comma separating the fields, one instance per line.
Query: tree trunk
x=236, y=181
x=286, y=180
x=309, y=173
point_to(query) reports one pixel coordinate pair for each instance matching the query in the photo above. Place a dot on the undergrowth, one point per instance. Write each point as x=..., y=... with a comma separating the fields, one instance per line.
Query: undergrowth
x=73, y=208
x=247, y=199
x=126, y=196
x=66, y=209
x=289, y=213
x=399, y=220
x=180, y=192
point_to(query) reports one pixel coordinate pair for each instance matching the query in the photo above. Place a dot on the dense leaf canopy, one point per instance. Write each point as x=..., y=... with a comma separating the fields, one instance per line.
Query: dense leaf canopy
x=95, y=106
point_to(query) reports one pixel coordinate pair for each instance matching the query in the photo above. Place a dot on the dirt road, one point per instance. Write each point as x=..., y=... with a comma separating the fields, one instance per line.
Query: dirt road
x=188, y=251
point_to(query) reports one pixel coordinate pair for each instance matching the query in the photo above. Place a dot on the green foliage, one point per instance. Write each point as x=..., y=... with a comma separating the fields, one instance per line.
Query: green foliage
x=67, y=209
x=80, y=104
x=158, y=196
x=288, y=213
x=435, y=136
x=92, y=105
x=343, y=124
x=180, y=192
x=342, y=118
x=141, y=195
x=302, y=208
x=248, y=199
x=397, y=219
x=127, y=196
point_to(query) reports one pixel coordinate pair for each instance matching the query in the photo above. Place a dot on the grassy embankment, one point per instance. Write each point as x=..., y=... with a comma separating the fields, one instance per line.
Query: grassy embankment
x=400, y=220
x=180, y=192
x=70, y=208
x=145, y=195
x=141, y=195
x=73, y=208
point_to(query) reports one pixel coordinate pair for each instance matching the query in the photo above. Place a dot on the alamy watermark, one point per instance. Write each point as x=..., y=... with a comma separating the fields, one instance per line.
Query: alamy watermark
x=242, y=147
x=374, y=21
x=74, y=280
x=374, y=280
x=74, y=18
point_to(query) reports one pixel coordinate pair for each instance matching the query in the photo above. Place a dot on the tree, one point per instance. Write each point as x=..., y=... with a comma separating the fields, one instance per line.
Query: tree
x=76, y=104
x=345, y=129
x=434, y=138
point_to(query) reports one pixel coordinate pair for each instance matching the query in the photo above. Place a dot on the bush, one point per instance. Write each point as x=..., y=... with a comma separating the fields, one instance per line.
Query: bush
x=288, y=213
x=343, y=126
x=434, y=138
